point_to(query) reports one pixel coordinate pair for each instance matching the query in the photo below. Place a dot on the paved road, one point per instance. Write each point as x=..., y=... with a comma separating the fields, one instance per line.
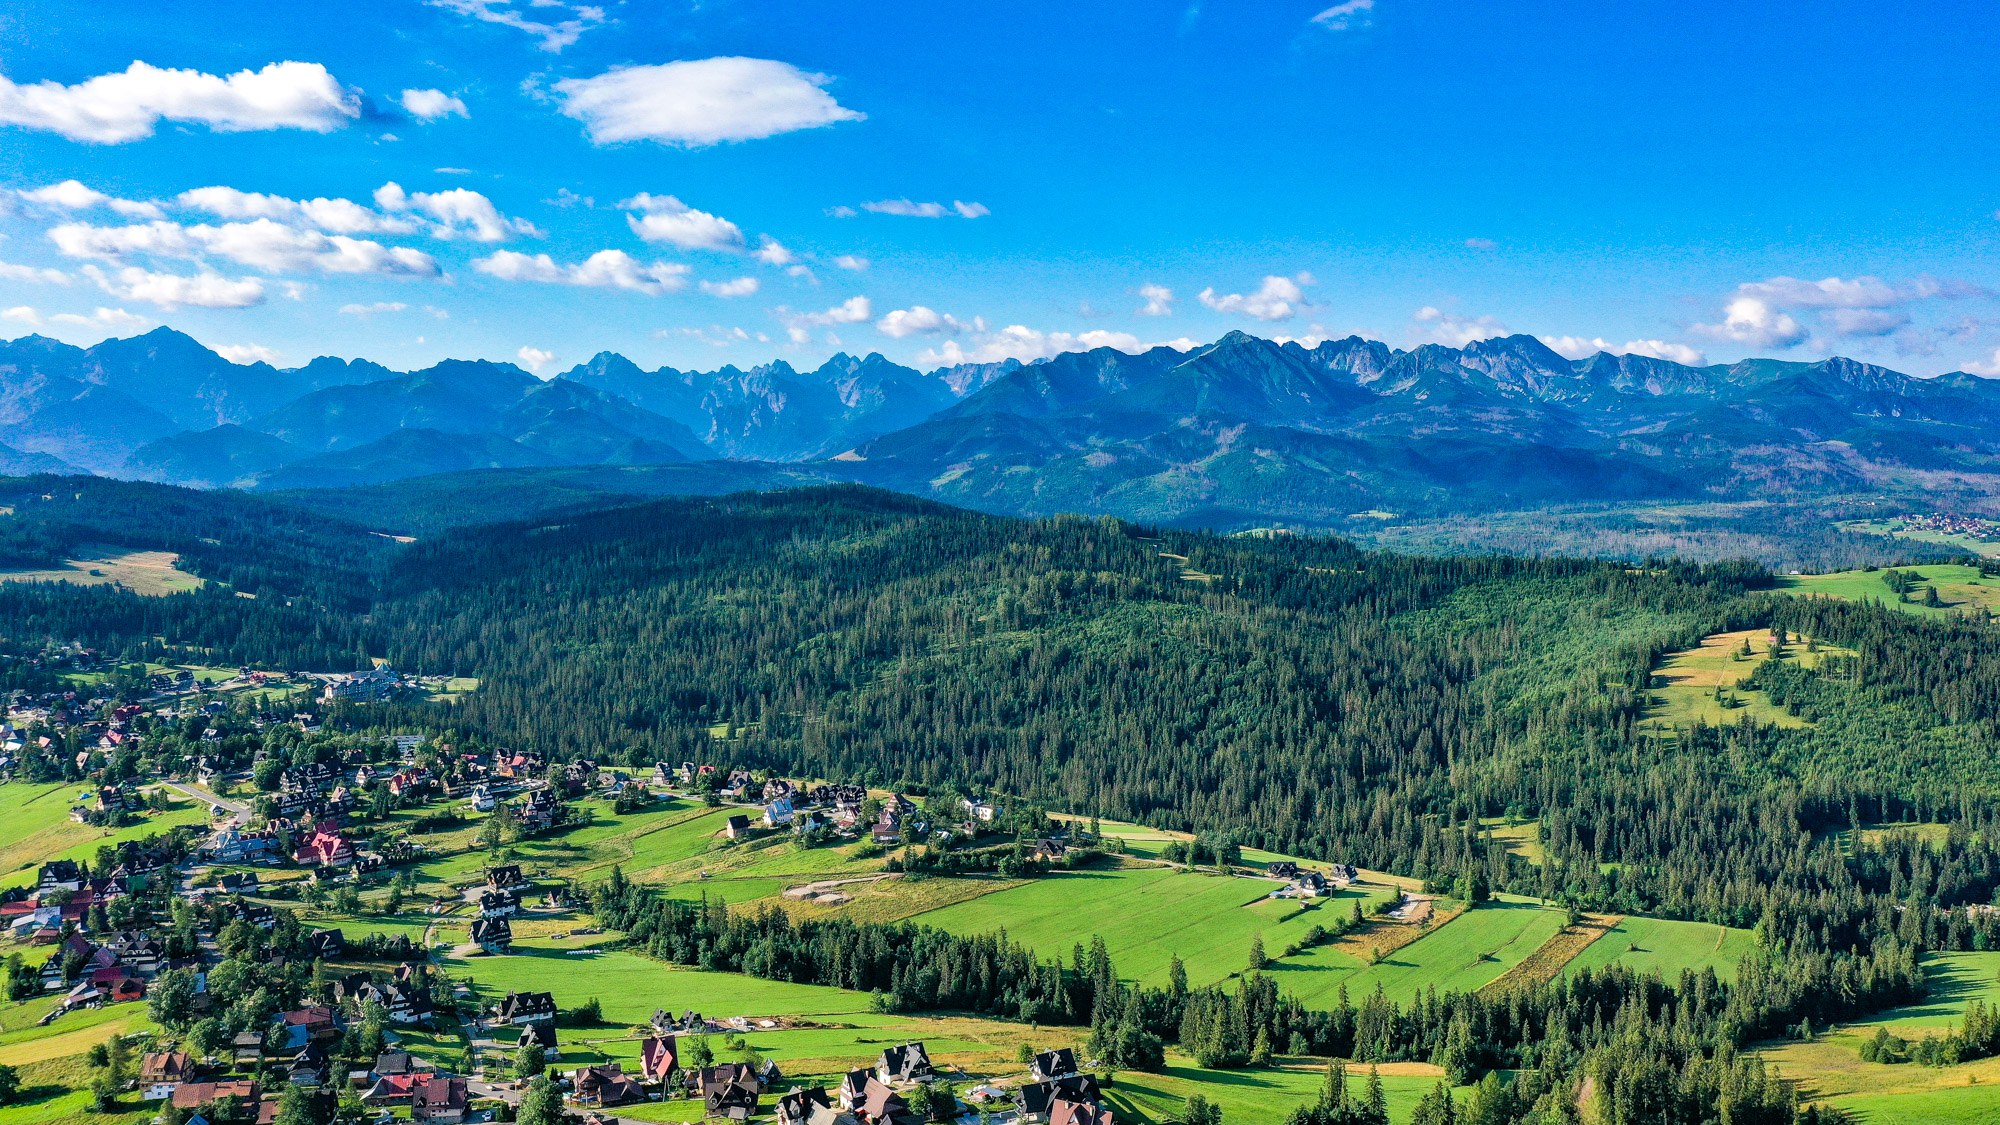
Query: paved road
x=239, y=808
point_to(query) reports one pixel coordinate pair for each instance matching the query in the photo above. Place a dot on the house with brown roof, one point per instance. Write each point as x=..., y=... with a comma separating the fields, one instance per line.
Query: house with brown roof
x=442, y=1100
x=194, y=1095
x=605, y=1085
x=657, y=1058
x=1065, y=1112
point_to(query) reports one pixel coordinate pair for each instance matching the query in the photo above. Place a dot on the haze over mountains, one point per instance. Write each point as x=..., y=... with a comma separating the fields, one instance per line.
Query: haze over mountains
x=1241, y=430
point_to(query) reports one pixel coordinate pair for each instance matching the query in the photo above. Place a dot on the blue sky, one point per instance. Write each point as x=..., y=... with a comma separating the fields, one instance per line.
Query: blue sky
x=691, y=184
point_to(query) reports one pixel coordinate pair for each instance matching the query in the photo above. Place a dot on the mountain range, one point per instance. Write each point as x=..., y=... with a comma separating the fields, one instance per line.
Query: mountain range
x=1239, y=431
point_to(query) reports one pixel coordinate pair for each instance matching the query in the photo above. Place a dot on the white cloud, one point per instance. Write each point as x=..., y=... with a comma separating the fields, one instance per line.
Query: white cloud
x=1351, y=13
x=1753, y=321
x=337, y=216
x=11, y=272
x=799, y=326
x=850, y=262
x=554, y=36
x=372, y=309
x=772, y=254
x=82, y=240
x=277, y=248
x=206, y=290
x=843, y=211
x=535, y=358
x=1018, y=341
x=250, y=353
x=1989, y=367
x=701, y=102
x=918, y=210
x=113, y=319
x=125, y=106
x=1865, y=322
x=429, y=105
x=458, y=211
x=738, y=287
x=1277, y=299
x=663, y=218
x=74, y=196
x=608, y=269
x=1431, y=325
x=1159, y=300
x=920, y=321
x=1578, y=347
x=1760, y=314
x=1480, y=244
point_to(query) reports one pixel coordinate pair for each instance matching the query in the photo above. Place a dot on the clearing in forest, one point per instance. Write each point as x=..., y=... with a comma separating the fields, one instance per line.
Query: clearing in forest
x=1685, y=685
x=1148, y=915
x=1463, y=953
x=151, y=573
x=1666, y=947
x=1961, y=589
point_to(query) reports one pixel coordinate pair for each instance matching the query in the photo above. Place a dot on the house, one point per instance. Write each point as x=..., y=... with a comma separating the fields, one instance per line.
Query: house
x=778, y=812
x=394, y=1089
x=391, y=1063
x=880, y=1105
x=247, y=1048
x=498, y=904
x=326, y=944
x=504, y=876
x=778, y=787
x=1035, y=1100
x=540, y=810
x=194, y=1095
x=235, y=883
x=161, y=1072
x=482, y=799
x=1310, y=882
x=605, y=1085
x=124, y=989
x=542, y=1035
x=60, y=875
x=442, y=1099
x=797, y=1107
x=528, y=1007
x=1048, y=1066
x=256, y=914
x=906, y=1063
x=730, y=1090
x=493, y=935
x=326, y=847
x=308, y=1067
x=1066, y=1112
x=657, y=1058
x=1283, y=869
x=853, y=1089
x=829, y=1115
x=736, y=827
x=372, y=686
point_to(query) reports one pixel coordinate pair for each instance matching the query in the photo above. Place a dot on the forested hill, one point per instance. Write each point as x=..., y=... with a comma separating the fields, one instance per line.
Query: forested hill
x=1291, y=692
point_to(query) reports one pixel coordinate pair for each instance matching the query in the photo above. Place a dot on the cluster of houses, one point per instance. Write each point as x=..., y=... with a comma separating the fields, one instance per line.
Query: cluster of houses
x=1307, y=882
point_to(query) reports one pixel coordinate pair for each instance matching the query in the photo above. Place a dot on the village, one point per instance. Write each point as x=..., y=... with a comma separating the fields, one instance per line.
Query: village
x=155, y=922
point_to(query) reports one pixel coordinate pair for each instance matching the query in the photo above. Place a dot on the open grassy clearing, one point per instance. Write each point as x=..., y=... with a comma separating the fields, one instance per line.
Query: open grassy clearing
x=1830, y=1066
x=1960, y=588
x=35, y=828
x=1895, y=527
x=1463, y=954
x=150, y=573
x=1685, y=683
x=1257, y=1097
x=1146, y=917
x=1667, y=947
x=1523, y=839
x=55, y=1091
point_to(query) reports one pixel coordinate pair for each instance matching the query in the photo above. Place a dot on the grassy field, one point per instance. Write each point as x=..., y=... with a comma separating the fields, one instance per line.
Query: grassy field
x=1685, y=682
x=1987, y=547
x=1960, y=588
x=1146, y=917
x=1830, y=1066
x=151, y=573
x=1461, y=955
x=35, y=828
x=1257, y=1097
x=1667, y=947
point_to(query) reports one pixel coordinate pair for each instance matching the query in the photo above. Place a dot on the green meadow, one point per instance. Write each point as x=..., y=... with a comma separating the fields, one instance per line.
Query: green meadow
x=1147, y=916
x=35, y=828
x=1657, y=945
x=1960, y=588
x=1463, y=955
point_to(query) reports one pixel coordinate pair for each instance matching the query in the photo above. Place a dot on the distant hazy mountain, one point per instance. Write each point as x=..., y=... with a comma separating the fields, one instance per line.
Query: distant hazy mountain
x=1240, y=430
